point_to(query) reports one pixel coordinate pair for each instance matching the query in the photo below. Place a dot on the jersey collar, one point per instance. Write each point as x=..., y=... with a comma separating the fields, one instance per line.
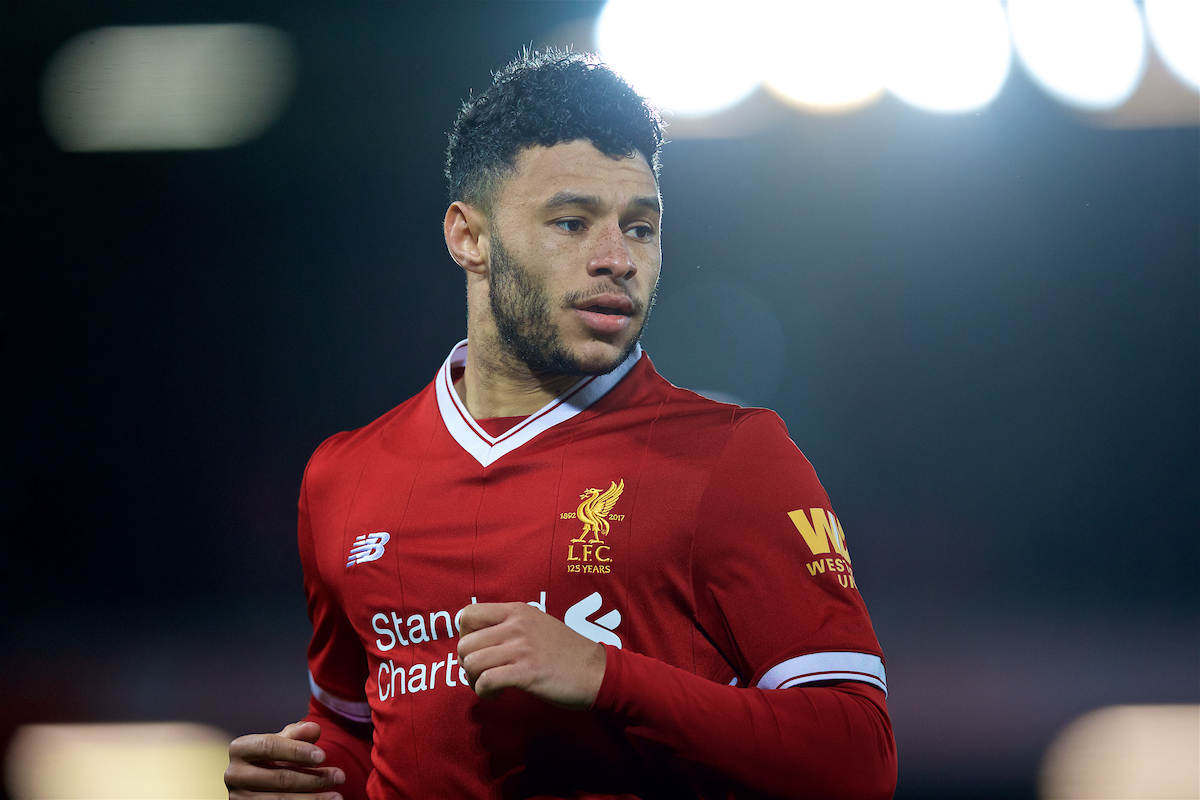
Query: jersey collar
x=486, y=448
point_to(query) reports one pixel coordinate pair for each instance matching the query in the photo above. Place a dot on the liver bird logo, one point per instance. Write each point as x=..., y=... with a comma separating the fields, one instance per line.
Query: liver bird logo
x=594, y=510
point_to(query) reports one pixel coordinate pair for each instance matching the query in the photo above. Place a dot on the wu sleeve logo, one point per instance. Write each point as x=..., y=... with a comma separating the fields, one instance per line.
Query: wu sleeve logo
x=368, y=547
x=600, y=630
x=823, y=534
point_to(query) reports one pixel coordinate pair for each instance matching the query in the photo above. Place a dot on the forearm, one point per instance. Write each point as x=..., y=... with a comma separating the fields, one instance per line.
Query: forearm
x=347, y=745
x=804, y=742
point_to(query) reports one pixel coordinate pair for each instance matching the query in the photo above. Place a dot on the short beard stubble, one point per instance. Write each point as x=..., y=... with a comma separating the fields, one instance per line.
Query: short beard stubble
x=522, y=309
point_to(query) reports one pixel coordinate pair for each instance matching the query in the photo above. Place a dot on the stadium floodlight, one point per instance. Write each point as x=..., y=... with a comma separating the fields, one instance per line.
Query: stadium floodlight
x=1175, y=28
x=945, y=55
x=824, y=55
x=1086, y=53
x=689, y=58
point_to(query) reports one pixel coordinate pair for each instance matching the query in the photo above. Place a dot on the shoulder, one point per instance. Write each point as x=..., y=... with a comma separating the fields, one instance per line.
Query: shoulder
x=737, y=424
x=340, y=454
x=749, y=451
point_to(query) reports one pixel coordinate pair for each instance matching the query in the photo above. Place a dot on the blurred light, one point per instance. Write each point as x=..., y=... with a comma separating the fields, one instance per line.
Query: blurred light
x=178, y=87
x=945, y=55
x=1087, y=53
x=824, y=54
x=1125, y=752
x=688, y=58
x=1175, y=27
x=163, y=760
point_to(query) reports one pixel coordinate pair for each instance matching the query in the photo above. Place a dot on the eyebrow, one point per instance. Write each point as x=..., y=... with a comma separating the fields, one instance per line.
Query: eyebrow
x=569, y=198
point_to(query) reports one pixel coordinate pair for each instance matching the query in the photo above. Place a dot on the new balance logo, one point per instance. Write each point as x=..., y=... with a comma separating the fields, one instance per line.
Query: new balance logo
x=601, y=630
x=368, y=547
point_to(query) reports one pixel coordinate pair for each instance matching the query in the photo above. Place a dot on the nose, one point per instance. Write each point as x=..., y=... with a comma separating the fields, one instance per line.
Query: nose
x=611, y=256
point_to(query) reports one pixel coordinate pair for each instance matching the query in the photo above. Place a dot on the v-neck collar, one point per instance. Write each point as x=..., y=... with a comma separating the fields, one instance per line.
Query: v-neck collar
x=486, y=448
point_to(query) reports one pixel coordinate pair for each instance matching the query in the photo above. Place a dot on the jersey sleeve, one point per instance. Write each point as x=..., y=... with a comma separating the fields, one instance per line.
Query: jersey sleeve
x=346, y=746
x=827, y=742
x=773, y=583
x=774, y=590
x=337, y=663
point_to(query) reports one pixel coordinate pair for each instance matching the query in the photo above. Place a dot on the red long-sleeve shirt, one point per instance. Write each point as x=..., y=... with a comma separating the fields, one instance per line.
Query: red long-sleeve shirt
x=648, y=519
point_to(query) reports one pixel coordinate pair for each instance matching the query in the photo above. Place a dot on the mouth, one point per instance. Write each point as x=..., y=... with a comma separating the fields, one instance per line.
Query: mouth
x=610, y=303
x=608, y=313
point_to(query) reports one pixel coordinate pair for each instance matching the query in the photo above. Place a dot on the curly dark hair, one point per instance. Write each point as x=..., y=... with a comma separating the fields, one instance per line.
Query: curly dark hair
x=545, y=98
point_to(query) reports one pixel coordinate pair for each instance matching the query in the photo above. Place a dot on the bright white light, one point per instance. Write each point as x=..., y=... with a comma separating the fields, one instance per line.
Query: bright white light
x=945, y=55
x=824, y=54
x=1175, y=27
x=691, y=58
x=1087, y=53
x=176, y=87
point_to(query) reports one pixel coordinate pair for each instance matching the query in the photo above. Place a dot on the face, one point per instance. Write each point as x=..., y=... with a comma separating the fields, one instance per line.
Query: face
x=574, y=257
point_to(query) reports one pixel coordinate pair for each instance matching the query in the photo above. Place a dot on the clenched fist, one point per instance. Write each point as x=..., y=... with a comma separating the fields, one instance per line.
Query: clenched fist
x=515, y=645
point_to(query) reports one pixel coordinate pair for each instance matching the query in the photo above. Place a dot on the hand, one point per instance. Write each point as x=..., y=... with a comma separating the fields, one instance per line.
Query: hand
x=284, y=765
x=514, y=644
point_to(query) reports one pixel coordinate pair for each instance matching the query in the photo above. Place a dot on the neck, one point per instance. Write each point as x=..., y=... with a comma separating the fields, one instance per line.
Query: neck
x=494, y=386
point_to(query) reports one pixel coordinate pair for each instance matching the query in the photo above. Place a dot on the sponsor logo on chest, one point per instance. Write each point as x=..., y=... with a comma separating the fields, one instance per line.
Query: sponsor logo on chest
x=417, y=673
x=589, y=551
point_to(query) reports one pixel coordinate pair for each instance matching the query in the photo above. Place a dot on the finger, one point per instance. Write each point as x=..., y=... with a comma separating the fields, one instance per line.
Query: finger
x=495, y=680
x=479, y=661
x=478, y=616
x=304, y=730
x=255, y=778
x=255, y=747
x=486, y=637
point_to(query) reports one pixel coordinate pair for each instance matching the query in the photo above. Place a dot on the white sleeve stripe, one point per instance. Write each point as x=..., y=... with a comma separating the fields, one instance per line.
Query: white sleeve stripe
x=825, y=667
x=350, y=709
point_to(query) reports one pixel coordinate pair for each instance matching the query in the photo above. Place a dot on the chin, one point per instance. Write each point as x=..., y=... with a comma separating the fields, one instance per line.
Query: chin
x=600, y=358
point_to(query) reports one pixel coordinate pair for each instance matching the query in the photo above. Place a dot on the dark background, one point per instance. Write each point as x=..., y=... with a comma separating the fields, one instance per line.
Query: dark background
x=983, y=330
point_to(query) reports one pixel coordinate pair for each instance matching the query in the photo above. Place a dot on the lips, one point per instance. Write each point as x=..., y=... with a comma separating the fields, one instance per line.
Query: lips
x=606, y=313
x=608, y=303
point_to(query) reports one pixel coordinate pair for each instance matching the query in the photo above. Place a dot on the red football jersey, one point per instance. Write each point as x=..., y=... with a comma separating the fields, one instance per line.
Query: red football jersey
x=644, y=516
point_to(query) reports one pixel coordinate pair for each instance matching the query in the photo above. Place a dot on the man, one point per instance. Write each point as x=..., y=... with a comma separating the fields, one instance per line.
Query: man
x=552, y=573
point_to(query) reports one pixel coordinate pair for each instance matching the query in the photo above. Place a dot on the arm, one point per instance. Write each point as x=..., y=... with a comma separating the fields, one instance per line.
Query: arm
x=290, y=762
x=347, y=745
x=804, y=742
x=777, y=600
x=287, y=764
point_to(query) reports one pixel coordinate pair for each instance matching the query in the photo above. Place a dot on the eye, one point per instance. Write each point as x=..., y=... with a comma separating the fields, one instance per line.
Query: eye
x=640, y=232
x=572, y=225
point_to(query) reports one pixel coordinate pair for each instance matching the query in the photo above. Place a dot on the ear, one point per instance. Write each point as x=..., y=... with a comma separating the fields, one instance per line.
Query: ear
x=465, y=229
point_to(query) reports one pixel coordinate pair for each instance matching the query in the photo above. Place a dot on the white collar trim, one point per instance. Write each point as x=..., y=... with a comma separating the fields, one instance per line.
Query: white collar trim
x=486, y=448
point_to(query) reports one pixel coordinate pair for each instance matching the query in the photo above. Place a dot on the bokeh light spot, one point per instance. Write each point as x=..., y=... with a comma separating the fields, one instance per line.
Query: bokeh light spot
x=824, y=55
x=689, y=58
x=946, y=55
x=169, y=87
x=1175, y=27
x=1086, y=53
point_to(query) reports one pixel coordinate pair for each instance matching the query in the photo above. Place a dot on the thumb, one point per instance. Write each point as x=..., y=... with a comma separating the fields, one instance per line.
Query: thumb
x=303, y=731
